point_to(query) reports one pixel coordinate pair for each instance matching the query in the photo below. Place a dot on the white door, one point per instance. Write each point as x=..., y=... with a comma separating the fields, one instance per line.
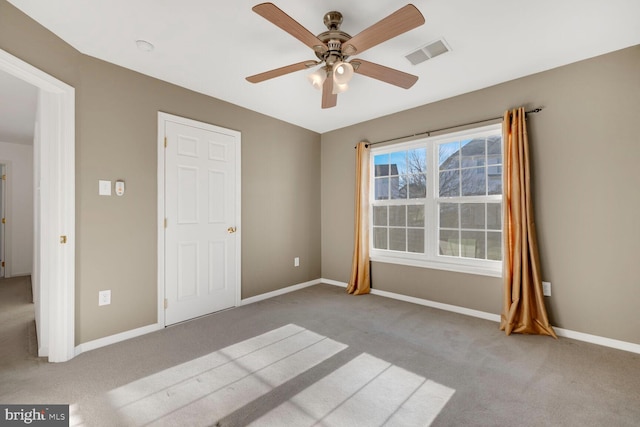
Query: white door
x=202, y=219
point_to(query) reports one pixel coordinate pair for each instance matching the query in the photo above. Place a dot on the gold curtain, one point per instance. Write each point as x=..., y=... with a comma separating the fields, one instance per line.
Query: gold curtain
x=360, y=281
x=523, y=306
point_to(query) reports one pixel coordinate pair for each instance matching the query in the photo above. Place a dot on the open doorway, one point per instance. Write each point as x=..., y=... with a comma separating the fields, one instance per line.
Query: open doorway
x=17, y=131
x=54, y=194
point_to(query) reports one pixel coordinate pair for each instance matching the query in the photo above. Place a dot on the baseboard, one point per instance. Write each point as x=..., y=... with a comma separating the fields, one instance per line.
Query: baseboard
x=112, y=339
x=334, y=283
x=566, y=333
x=595, y=339
x=278, y=292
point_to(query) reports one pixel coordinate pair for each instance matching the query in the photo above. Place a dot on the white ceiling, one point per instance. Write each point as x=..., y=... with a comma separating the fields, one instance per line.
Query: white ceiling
x=211, y=46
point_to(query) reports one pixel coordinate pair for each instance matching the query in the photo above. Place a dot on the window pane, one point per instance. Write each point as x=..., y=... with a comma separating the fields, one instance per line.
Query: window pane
x=398, y=216
x=494, y=216
x=494, y=245
x=449, y=156
x=380, y=215
x=380, y=238
x=494, y=145
x=382, y=188
x=472, y=244
x=449, y=215
x=398, y=239
x=415, y=240
x=417, y=186
x=398, y=187
x=398, y=163
x=449, y=183
x=495, y=179
x=381, y=163
x=449, y=243
x=472, y=153
x=415, y=216
x=472, y=215
x=417, y=161
x=474, y=182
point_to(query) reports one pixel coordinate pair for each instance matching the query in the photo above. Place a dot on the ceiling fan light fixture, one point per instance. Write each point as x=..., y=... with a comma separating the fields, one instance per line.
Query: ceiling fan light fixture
x=317, y=78
x=339, y=88
x=342, y=73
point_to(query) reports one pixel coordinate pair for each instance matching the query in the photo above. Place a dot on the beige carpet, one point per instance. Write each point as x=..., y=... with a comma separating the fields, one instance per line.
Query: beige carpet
x=321, y=357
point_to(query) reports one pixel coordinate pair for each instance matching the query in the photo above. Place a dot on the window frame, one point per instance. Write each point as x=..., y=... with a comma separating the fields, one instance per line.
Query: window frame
x=431, y=257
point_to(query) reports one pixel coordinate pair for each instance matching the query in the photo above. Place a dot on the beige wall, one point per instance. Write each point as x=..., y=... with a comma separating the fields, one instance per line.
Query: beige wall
x=585, y=151
x=116, y=137
x=297, y=197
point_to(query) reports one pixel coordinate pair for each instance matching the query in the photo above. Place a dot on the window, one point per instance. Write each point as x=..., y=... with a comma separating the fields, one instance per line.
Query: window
x=437, y=202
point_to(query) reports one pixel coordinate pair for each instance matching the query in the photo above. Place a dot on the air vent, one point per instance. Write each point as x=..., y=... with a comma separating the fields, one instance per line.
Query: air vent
x=431, y=50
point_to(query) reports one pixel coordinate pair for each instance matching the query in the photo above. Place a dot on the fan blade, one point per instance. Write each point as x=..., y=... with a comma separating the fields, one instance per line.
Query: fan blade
x=279, y=71
x=329, y=99
x=402, y=20
x=273, y=14
x=385, y=74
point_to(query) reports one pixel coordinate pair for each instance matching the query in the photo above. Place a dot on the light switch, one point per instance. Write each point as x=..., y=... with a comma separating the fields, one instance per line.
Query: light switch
x=104, y=188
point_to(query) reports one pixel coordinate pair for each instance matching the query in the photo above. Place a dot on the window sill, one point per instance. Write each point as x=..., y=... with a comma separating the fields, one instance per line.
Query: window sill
x=482, y=270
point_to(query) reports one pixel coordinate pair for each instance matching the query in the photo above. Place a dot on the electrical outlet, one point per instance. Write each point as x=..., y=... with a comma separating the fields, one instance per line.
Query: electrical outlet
x=546, y=289
x=296, y=262
x=104, y=297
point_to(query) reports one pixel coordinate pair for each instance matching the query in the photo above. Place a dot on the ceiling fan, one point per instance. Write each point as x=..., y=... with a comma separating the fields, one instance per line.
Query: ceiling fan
x=334, y=47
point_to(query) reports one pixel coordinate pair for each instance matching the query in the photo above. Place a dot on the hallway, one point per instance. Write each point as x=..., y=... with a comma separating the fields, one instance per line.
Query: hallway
x=17, y=322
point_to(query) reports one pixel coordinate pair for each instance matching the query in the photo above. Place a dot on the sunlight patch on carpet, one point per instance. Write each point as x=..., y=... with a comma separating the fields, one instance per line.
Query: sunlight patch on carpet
x=365, y=391
x=224, y=381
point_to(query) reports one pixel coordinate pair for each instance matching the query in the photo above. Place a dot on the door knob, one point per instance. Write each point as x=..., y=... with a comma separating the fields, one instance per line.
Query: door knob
x=231, y=230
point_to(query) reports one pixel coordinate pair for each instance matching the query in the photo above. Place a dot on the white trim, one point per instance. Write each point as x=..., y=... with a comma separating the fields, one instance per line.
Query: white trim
x=279, y=292
x=593, y=339
x=162, y=119
x=334, y=283
x=566, y=333
x=439, y=305
x=56, y=269
x=113, y=339
x=598, y=340
x=481, y=270
x=160, y=218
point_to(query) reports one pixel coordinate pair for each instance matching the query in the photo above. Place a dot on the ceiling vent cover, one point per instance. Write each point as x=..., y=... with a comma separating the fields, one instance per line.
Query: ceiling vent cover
x=428, y=51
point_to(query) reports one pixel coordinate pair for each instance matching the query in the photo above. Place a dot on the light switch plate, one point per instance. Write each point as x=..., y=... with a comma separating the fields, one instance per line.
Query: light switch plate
x=104, y=188
x=104, y=297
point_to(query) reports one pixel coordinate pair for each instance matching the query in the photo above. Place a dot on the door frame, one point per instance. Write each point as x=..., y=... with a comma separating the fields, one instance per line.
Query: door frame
x=54, y=262
x=4, y=199
x=162, y=119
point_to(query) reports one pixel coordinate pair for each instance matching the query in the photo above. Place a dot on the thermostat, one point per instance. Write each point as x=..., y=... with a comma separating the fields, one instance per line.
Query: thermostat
x=119, y=187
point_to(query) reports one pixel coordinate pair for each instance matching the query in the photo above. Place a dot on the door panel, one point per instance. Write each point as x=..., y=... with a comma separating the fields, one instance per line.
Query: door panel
x=200, y=208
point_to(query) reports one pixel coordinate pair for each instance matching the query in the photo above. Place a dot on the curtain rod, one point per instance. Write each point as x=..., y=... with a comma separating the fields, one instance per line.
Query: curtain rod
x=429, y=132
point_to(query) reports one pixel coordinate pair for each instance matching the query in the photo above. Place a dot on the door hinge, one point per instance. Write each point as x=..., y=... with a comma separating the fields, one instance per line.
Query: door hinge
x=4, y=177
x=166, y=303
x=165, y=223
x=165, y=142
x=63, y=239
x=3, y=263
x=4, y=220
